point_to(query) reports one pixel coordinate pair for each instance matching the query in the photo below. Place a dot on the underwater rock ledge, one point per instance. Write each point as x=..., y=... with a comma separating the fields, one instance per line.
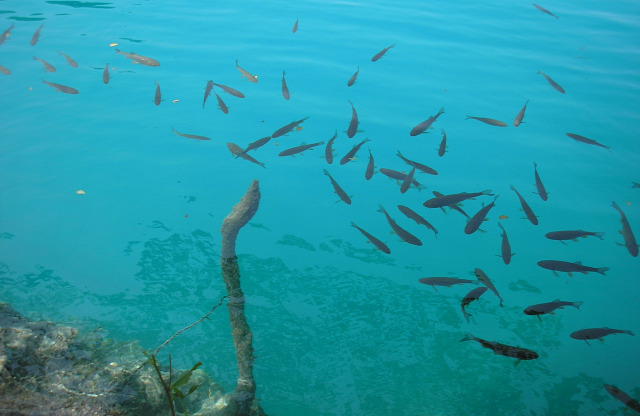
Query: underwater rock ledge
x=53, y=369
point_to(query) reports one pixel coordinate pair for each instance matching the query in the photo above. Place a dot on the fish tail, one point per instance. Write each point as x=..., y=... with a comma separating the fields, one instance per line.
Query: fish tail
x=599, y=235
x=468, y=117
x=486, y=192
x=381, y=209
x=577, y=304
x=628, y=332
x=602, y=270
x=468, y=337
x=326, y=172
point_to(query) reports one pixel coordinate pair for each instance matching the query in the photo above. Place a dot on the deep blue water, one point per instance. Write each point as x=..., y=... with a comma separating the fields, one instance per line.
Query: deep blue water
x=339, y=328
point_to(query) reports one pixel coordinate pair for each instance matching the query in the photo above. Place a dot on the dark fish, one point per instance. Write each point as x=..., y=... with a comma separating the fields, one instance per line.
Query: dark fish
x=401, y=232
x=520, y=115
x=399, y=176
x=207, y=92
x=69, y=60
x=597, y=333
x=382, y=52
x=627, y=234
x=351, y=153
x=453, y=199
x=549, y=307
x=158, y=95
x=379, y=244
x=230, y=90
x=484, y=279
x=368, y=173
x=328, y=150
x=286, y=129
x=454, y=206
x=417, y=218
x=299, y=149
x=505, y=247
x=420, y=166
x=443, y=281
x=142, y=60
x=539, y=186
x=443, y=144
x=502, y=349
x=406, y=183
x=105, y=74
x=623, y=397
x=474, y=223
x=223, y=107
x=635, y=185
x=352, y=80
x=526, y=208
x=470, y=297
x=36, y=35
x=47, y=65
x=572, y=235
x=61, y=88
x=285, y=89
x=247, y=74
x=543, y=10
x=295, y=27
x=569, y=268
x=254, y=145
x=583, y=139
x=489, y=121
x=353, y=124
x=337, y=189
x=552, y=82
x=5, y=70
x=238, y=153
x=5, y=35
x=422, y=127
x=190, y=136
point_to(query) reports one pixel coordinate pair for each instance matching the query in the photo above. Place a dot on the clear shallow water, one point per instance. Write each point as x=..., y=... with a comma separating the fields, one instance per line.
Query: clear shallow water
x=338, y=327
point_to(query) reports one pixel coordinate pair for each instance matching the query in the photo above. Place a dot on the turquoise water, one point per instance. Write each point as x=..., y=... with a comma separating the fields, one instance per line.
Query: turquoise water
x=339, y=328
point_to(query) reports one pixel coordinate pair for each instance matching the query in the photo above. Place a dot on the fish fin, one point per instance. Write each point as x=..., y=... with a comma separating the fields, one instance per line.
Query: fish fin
x=570, y=274
x=602, y=270
x=628, y=332
x=516, y=363
x=563, y=242
x=554, y=272
x=540, y=319
x=467, y=337
x=577, y=304
x=599, y=235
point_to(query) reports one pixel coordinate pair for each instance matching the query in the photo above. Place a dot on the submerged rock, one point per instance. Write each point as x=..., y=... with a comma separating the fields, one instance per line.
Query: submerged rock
x=52, y=369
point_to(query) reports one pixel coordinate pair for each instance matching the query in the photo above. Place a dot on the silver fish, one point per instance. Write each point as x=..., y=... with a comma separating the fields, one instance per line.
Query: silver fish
x=623, y=397
x=484, y=279
x=422, y=127
x=627, y=234
x=569, y=267
x=207, y=92
x=586, y=140
x=351, y=153
x=70, y=60
x=189, y=136
x=223, y=107
x=542, y=192
x=453, y=207
x=520, y=115
x=5, y=35
x=549, y=307
x=238, y=153
x=47, y=65
x=505, y=247
x=552, y=82
x=420, y=166
x=503, y=349
x=295, y=27
x=328, y=150
x=352, y=80
x=470, y=297
x=381, y=53
x=489, y=121
x=247, y=74
x=417, y=218
x=453, y=199
x=353, y=124
x=337, y=189
x=157, y=98
x=401, y=232
x=474, y=223
x=142, y=60
x=285, y=89
x=379, y=244
x=299, y=149
x=406, y=183
x=572, y=235
x=543, y=10
x=597, y=333
x=36, y=35
x=368, y=173
x=5, y=70
x=526, y=208
x=399, y=176
x=105, y=74
x=254, y=145
x=443, y=281
x=443, y=144
x=230, y=90
x=61, y=88
x=286, y=129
